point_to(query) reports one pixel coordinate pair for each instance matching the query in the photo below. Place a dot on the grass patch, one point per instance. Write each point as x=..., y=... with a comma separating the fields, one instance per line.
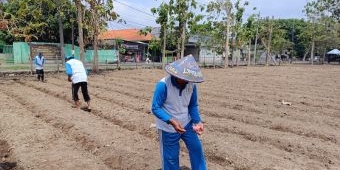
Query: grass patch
x=14, y=67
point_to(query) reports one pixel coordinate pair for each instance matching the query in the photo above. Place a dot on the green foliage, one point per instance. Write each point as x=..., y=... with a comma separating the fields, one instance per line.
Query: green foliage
x=330, y=8
x=145, y=31
x=224, y=14
x=323, y=27
x=175, y=12
x=32, y=20
x=154, y=44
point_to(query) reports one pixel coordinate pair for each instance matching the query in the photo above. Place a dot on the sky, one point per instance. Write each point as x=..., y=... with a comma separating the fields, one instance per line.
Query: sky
x=136, y=13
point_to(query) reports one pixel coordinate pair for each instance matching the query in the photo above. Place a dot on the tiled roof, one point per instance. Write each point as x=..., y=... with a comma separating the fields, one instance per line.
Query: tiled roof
x=126, y=34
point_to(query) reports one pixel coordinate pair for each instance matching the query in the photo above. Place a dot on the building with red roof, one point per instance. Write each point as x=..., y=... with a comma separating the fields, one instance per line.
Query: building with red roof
x=134, y=43
x=126, y=35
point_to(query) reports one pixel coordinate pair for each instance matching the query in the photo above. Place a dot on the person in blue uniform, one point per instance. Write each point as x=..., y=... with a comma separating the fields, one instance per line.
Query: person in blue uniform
x=39, y=62
x=175, y=105
x=77, y=74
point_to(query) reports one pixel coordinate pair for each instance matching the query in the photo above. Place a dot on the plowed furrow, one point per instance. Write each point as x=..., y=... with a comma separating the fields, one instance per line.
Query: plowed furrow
x=37, y=145
x=247, y=116
x=278, y=124
x=113, y=113
x=312, y=149
x=88, y=131
x=293, y=113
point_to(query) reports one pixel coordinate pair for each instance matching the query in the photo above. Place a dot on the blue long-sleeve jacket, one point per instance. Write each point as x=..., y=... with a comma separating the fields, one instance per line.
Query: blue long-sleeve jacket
x=160, y=97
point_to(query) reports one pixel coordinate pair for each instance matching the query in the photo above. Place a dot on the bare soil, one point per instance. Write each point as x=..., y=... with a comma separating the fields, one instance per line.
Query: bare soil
x=247, y=126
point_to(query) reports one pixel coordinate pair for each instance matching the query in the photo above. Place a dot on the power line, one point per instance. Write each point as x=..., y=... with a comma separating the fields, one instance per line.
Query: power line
x=134, y=15
x=131, y=24
x=134, y=8
x=114, y=25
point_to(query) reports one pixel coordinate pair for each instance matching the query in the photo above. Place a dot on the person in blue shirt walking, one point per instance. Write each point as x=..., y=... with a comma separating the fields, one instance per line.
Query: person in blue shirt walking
x=39, y=62
x=77, y=74
x=175, y=105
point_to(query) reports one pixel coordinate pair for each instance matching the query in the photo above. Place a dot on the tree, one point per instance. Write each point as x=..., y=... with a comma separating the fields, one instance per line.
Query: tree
x=61, y=6
x=80, y=7
x=176, y=11
x=323, y=26
x=154, y=44
x=31, y=20
x=221, y=17
x=167, y=24
x=266, y=34
x=329, y=7
x=226, y=20
x=99, y=12
x=247, y=34
x=27, y=21
x=292, y=33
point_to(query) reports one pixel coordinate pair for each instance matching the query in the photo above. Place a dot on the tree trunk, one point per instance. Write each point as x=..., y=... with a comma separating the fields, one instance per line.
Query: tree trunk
x=269, y=42
x=183, y=39
x=72, y=27
x=305, y=55
x=313, y=43
x=61, y=37
x=323, y=57
x=179, y=41
x=256, y=37
x=80, y=29
x=118, y=57
x=249, y=58
x=164, y=45
x=95, y=39
x=312, y=52
x=226, y=59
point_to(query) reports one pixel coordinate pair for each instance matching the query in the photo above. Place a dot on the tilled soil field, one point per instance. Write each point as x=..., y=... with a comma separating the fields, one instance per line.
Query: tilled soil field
x=248, y=124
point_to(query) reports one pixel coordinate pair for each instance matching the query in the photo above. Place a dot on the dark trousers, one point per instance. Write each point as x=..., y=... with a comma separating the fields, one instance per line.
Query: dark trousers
x=40, y=74
x=75, y=89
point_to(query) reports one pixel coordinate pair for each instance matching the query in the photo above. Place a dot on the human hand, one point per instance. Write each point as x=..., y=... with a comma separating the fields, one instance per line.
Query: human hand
x=177, y=126
x=69, y=79
x=198, y=128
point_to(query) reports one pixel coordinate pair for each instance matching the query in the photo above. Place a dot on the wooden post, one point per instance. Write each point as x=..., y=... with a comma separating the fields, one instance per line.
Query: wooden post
x=56, y=57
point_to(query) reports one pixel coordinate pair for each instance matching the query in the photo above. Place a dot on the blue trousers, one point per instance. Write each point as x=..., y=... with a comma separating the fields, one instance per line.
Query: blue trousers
x=170, y=148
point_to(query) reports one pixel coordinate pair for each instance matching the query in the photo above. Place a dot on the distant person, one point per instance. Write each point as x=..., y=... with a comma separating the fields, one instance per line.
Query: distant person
x=175, y=104
x=147, y=60
x=39, y=62
x=77, y=74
